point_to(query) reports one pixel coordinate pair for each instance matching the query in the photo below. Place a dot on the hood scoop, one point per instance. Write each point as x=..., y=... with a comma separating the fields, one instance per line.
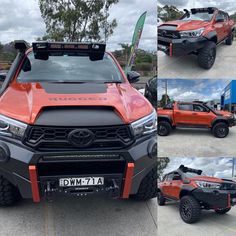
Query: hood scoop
x=78, y=117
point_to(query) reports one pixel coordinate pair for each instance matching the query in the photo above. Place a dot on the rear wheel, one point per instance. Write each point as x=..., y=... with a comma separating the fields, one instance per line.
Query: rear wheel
x=189, y=209
x=220, y=130
x=164, y=128
x=230, y=39
x=148, y=187
x=160, y=199
x=207, y=55
x=223, y=211
x=9, y=194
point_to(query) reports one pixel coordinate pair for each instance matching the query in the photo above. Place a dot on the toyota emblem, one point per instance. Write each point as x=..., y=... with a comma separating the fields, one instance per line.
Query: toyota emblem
x=81, y=137
x=163, y=33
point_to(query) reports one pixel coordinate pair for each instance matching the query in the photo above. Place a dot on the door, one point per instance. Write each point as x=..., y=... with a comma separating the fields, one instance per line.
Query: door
x=166, y=184
x=183, y=114
x=176, y=185
x=220, y=26
x=203, y=116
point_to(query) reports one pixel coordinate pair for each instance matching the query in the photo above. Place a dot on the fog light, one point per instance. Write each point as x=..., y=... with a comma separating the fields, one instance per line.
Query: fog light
x=4, y=152
x=152, y=149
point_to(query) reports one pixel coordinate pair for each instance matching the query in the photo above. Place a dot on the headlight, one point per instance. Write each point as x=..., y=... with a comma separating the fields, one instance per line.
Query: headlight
x=146, y=125
x=210, y=185
x=11, y=128
x=191, y=33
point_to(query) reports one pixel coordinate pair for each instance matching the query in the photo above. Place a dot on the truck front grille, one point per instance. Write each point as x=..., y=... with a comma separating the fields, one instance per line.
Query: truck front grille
x=168, y=34
x=54, y=138
x=228, y=186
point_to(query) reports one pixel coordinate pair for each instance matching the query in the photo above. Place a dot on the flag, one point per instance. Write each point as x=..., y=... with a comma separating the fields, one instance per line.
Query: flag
x=135, y=41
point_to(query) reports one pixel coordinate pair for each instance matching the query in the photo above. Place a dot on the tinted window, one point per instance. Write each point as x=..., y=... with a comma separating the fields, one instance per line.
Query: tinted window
x=220, y=16
x=69, y=69
x=199, y=108
x=204, y=16
x=169, y=106
x=185, y=107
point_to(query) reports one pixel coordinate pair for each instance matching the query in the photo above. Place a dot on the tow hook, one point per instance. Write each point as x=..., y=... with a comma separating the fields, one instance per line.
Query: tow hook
x=113, y=190
x=49, y=191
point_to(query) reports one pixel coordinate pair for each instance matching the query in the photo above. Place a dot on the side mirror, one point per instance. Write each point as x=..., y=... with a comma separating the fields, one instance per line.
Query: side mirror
x=133, y=76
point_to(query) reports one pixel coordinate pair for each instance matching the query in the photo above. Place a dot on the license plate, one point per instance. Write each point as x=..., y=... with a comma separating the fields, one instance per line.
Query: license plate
x=83, y=181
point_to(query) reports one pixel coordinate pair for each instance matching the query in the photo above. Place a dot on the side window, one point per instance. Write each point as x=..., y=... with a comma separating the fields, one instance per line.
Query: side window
x=169, y=177
x=220, y=16
x=185, y=107
x=199, y=108
x=169, y=106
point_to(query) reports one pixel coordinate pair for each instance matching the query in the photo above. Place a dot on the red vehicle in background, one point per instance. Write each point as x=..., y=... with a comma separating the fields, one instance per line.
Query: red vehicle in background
x=195, y=192
x=194, y=115
x=197, y=32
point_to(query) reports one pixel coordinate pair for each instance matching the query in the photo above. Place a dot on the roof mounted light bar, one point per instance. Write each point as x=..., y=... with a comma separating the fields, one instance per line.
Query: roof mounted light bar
x=95, y=51
x=21, y=45
x=210, y=10
x=185, y=169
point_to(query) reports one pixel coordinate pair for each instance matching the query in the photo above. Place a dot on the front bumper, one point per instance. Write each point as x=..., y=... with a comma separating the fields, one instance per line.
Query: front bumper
x=215, y=199
x=179, y=47
x=232, y=122
x=37, y=174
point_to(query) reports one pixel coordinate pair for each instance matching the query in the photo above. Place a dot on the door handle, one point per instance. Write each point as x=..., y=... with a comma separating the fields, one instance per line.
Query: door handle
x=178, y=113
x=195, y=114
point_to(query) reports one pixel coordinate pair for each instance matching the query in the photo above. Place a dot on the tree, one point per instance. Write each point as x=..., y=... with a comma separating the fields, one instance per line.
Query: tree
x=77, y=20
x=126, y=48
x=162, y=163
x=164, y=98
x=168, y=13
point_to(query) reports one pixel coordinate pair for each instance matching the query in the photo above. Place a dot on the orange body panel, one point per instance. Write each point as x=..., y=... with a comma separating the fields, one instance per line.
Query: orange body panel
x=24, y=102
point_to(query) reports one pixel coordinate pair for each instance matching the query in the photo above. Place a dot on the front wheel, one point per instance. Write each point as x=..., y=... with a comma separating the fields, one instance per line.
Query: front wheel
x=9, y=194
x=160, y=199
x=222, y=211
x=189, y=209
x=207, y=55
x=220, y=130
x=164, y=128
x=230, y=39
x=148, y=187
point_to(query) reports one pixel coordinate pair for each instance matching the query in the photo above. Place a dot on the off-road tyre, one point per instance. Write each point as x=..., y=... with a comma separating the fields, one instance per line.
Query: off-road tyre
x=220, y=130
x=164, y=128
x=189, y=209
x=148, y=187
x=222, y=211
x=160, y=199
x=230, y=39
x=207, y=55
x=9, y=194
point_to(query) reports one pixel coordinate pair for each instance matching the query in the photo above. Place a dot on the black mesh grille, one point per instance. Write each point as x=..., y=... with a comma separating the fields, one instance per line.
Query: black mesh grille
x=47, y=138
x=228, y=186
x=169, y=34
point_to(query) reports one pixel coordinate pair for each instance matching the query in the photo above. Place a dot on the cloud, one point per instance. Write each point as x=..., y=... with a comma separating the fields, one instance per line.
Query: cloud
x=226, y=5
x=21, y=19
x=186, y=90
x=218, y=167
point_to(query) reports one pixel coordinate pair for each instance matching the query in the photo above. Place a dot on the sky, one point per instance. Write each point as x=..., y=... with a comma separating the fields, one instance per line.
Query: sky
x=225, y=5
x=185, y=90
x=21, y=19
x=217, y=167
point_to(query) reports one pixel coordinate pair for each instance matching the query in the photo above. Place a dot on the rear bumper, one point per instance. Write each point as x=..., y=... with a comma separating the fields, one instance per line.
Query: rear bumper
x=215, y=199
x=31, y=171
x=179, y=47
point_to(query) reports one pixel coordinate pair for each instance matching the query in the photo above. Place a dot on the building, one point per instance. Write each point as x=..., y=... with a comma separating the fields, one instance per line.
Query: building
x=228, y=97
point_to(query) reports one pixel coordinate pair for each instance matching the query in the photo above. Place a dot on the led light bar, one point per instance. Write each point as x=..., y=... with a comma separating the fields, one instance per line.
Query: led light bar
x=44, y=49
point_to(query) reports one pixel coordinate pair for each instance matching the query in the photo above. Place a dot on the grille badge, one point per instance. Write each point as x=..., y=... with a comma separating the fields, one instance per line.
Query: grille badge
x=81, y=137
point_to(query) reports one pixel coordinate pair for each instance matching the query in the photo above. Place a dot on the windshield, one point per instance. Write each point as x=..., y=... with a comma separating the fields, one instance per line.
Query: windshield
x=68, y=69
x=204, y=16
x=192, y=175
